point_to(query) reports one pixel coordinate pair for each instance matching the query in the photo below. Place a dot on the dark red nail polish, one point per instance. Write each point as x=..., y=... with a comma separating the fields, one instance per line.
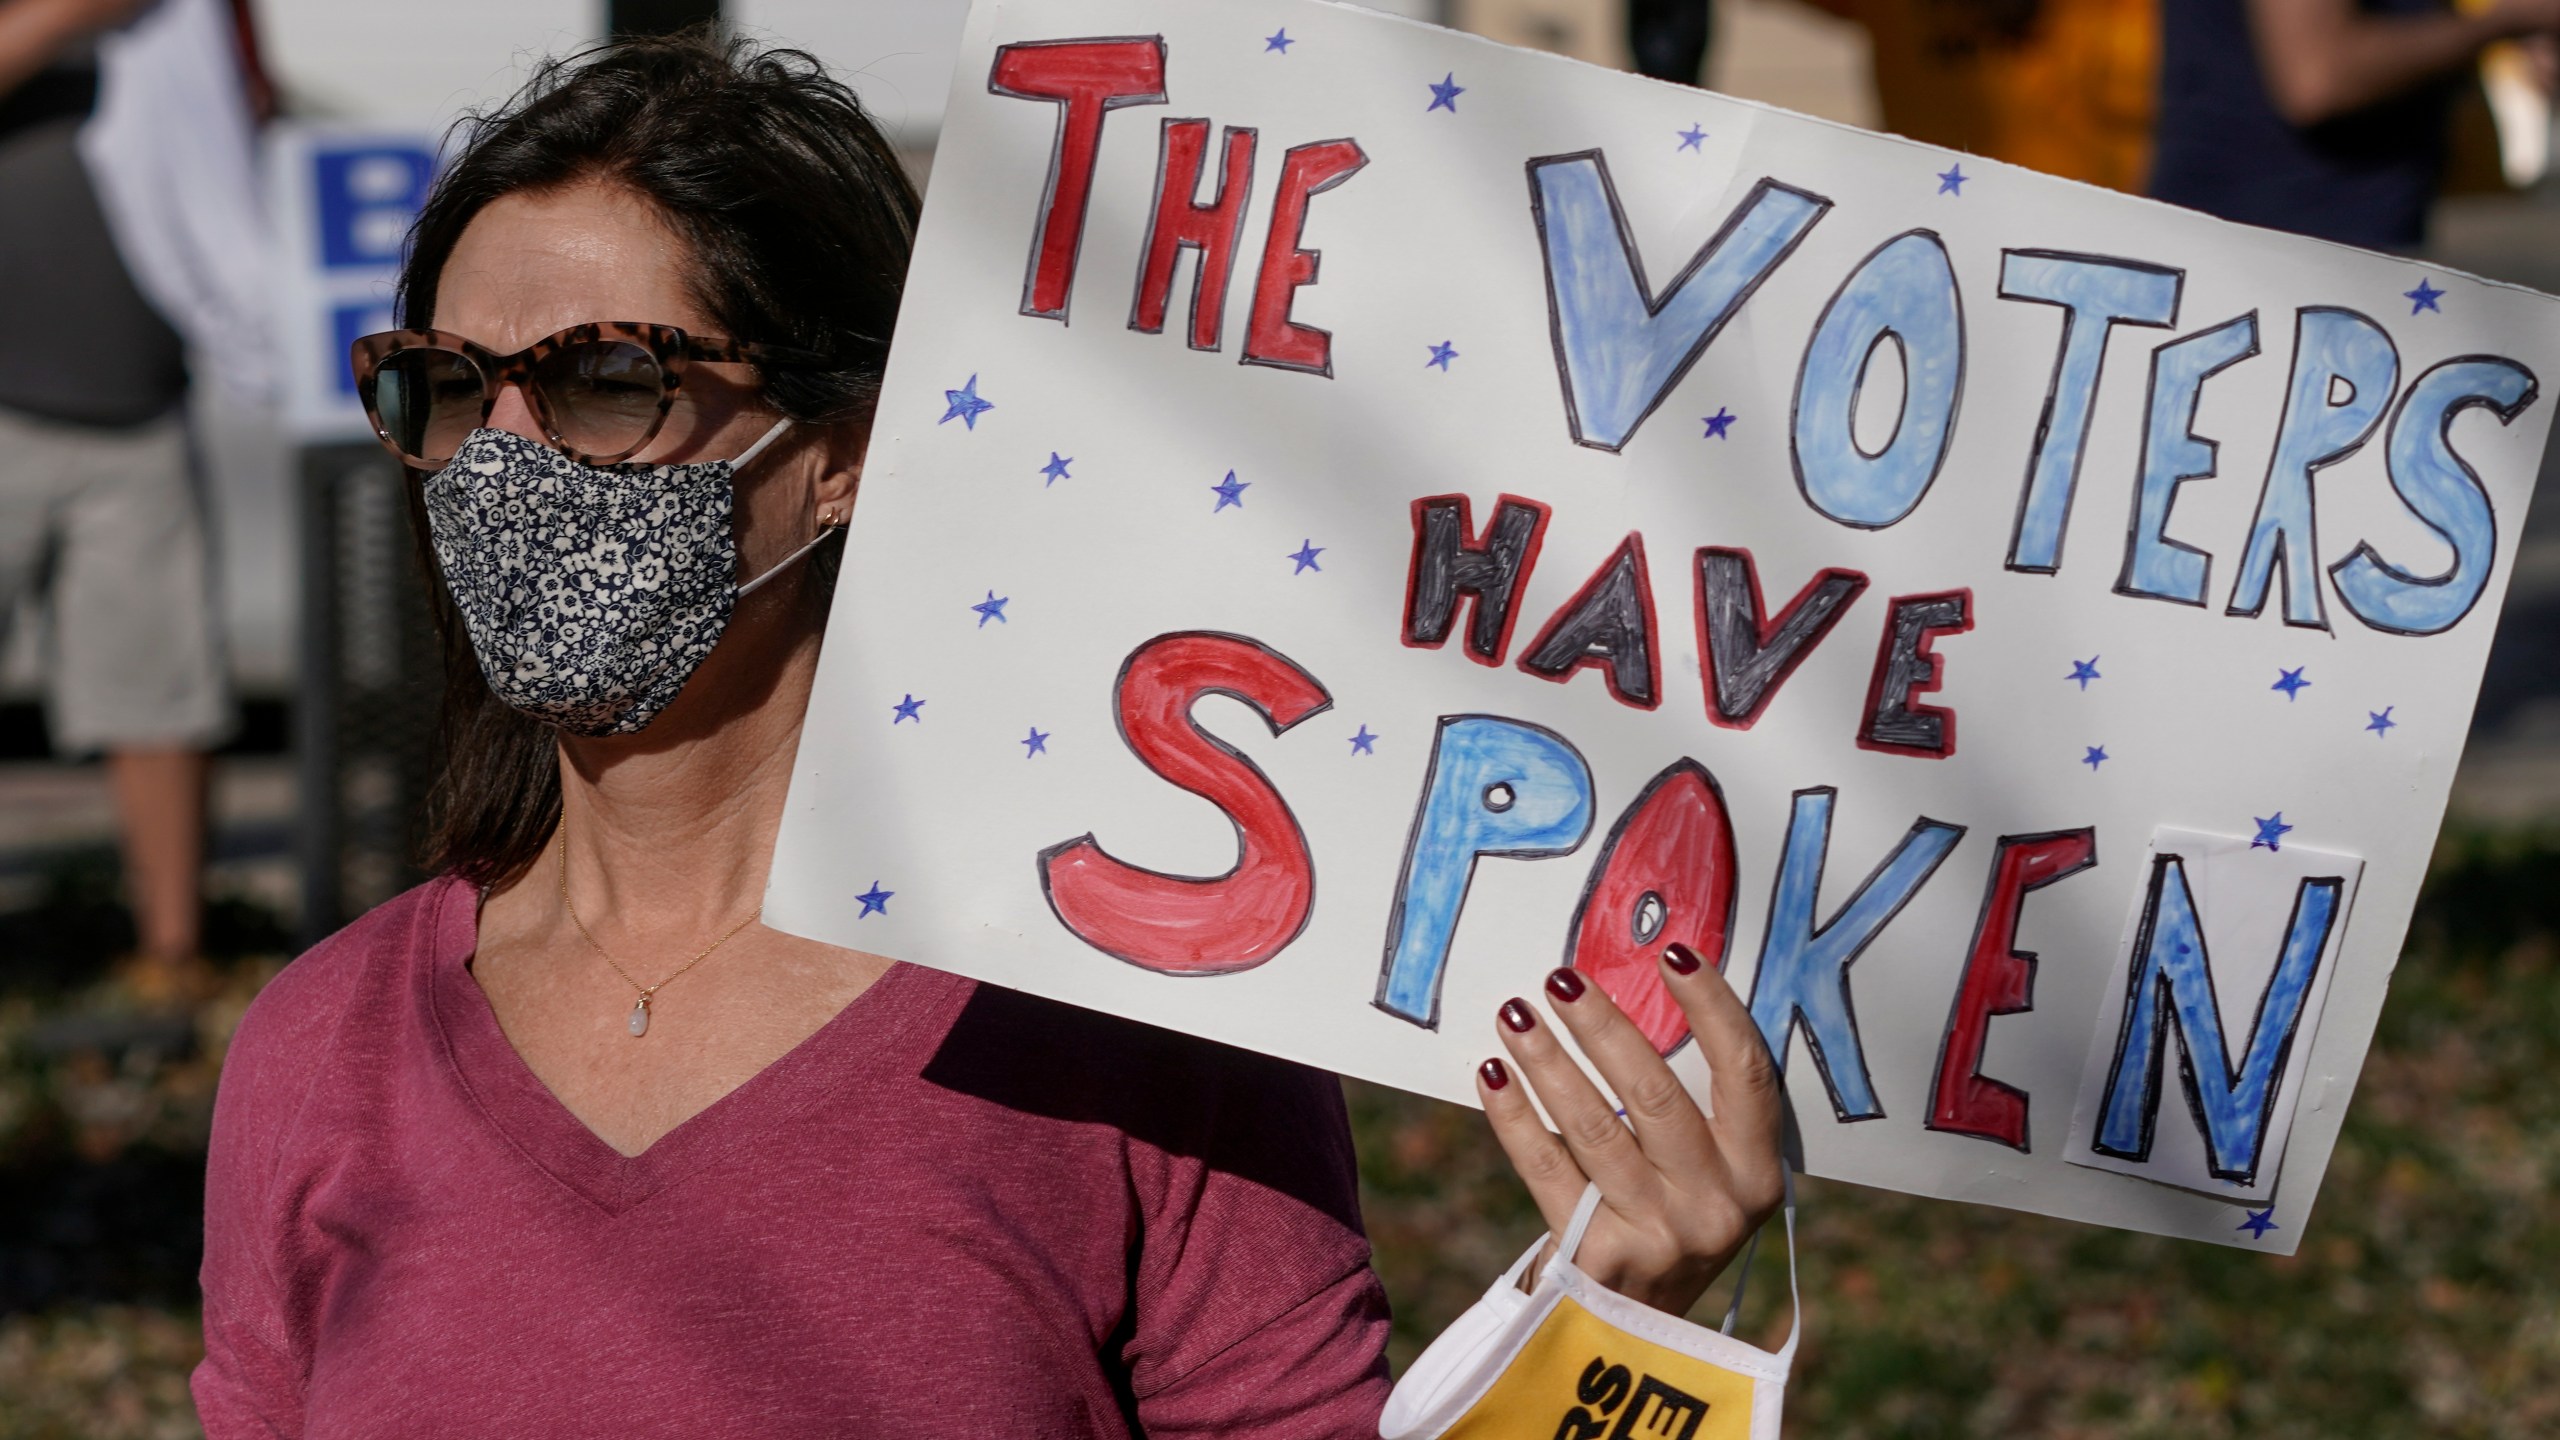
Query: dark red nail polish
x=1565, y=985
x=1518, y=1016
x=1681, y=959
x=1495, y=1076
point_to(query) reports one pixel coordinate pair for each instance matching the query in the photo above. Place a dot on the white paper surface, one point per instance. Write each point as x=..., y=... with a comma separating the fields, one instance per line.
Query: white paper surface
x=926, y=824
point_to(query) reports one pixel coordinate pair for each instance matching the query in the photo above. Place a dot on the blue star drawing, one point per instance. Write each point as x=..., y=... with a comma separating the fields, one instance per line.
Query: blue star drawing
x=2096, y=757
x=2291, y=683
x=1280, y=42
x=1951, y=181
x=1444, y=94
x=1036, y=743
x=1056, y=469
x=2259, y=1223
x=1229, y=491
x=1441, y=355
x=2271, y=832
x=992, y=608
x=965, y=405
x=1693, y=138
x=1361, y=743
x=1718, y=423
x=875, y=901
x=2380, y=722
x=1308, y=550
x=2423, y=298
x=906, y=709
x=2085, y=671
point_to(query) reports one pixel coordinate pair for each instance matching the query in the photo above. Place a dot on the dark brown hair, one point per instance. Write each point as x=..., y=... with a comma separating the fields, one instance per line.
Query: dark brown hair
x=800, y=222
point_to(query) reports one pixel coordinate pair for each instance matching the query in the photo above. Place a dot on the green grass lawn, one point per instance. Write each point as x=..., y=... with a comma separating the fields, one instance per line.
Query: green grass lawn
x=2425, y=1301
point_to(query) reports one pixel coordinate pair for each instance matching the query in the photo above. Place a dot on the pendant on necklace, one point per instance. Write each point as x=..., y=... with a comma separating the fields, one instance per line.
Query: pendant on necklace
x=640, y=1018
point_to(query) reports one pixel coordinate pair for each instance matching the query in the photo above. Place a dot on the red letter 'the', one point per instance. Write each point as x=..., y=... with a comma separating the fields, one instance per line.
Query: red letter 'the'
x=1273, y=338
x=1180, y=924
x=1086, y=79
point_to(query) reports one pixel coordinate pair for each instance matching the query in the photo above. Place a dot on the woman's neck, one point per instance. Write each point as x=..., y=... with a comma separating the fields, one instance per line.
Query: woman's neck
x=671, y=831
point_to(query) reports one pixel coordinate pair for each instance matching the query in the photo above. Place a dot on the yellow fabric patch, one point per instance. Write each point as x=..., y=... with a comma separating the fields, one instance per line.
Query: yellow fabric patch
x=1580, y=1378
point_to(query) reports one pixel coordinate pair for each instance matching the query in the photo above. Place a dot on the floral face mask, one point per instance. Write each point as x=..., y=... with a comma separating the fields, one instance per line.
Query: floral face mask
x=591, y=592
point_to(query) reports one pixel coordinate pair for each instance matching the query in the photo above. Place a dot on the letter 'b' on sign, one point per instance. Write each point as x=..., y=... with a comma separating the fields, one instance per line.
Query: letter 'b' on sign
x=1210, y=925
x=1497, y=787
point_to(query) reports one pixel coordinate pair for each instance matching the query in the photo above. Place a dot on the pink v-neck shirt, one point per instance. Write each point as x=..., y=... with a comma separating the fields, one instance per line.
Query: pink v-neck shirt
x=954, y=1210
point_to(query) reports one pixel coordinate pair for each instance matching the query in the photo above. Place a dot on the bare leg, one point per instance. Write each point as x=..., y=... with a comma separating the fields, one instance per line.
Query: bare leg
x=160, y=801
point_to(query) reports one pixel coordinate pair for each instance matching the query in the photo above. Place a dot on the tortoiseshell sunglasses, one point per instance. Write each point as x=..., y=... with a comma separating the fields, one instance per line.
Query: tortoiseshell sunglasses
x=601, y=390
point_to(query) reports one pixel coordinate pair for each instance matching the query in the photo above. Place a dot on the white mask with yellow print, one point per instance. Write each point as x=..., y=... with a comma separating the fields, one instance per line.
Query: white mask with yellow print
x=1572, y=1360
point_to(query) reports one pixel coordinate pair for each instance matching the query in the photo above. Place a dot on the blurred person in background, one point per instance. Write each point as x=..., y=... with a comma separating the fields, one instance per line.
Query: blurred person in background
x=2327, y=118
x=1668, y=38
x=128, y=236
x=2061, y=86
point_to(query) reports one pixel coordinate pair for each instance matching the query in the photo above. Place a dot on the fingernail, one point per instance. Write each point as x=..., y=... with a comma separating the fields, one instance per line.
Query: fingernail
x=1681, y=959
x=1565, y=985
x=1517, y=1015
x=1495, y=1076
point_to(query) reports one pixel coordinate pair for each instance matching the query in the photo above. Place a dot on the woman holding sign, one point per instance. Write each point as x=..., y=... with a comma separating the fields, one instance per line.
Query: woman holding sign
x=564, y=1142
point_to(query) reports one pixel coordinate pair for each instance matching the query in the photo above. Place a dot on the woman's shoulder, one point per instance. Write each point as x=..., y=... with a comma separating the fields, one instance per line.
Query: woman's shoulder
x=298, y=1025
x=298, y=1012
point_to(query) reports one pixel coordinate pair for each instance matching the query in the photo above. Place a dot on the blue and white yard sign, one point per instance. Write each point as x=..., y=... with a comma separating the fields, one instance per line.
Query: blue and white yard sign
x=1360, y=516
x=344, y=201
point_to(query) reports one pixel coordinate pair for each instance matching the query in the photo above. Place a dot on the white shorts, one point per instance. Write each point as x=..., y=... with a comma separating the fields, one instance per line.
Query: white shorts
x=106, y=526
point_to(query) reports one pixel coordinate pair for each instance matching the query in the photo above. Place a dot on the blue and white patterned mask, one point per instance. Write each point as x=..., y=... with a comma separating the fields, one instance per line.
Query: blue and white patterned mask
x=591, y=592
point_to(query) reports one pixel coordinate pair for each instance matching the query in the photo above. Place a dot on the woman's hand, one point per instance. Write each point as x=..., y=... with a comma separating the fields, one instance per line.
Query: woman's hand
x=1681, y=1191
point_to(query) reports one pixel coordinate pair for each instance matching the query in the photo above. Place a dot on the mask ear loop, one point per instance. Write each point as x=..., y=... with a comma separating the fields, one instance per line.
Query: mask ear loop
x=1750, y=1251
x=758, y=448
x=1583, y=1210
x=824, y=531
x=785, y=562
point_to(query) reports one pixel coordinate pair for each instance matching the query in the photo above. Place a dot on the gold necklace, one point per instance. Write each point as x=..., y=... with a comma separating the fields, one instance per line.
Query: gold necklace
x=640, y=1009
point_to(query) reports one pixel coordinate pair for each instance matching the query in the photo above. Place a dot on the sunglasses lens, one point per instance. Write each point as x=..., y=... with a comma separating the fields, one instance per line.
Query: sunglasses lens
x=427, y=402
x=603, y=395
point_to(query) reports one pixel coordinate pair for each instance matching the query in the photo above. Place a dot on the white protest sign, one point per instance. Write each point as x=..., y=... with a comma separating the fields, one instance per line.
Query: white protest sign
x=1359, y=517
